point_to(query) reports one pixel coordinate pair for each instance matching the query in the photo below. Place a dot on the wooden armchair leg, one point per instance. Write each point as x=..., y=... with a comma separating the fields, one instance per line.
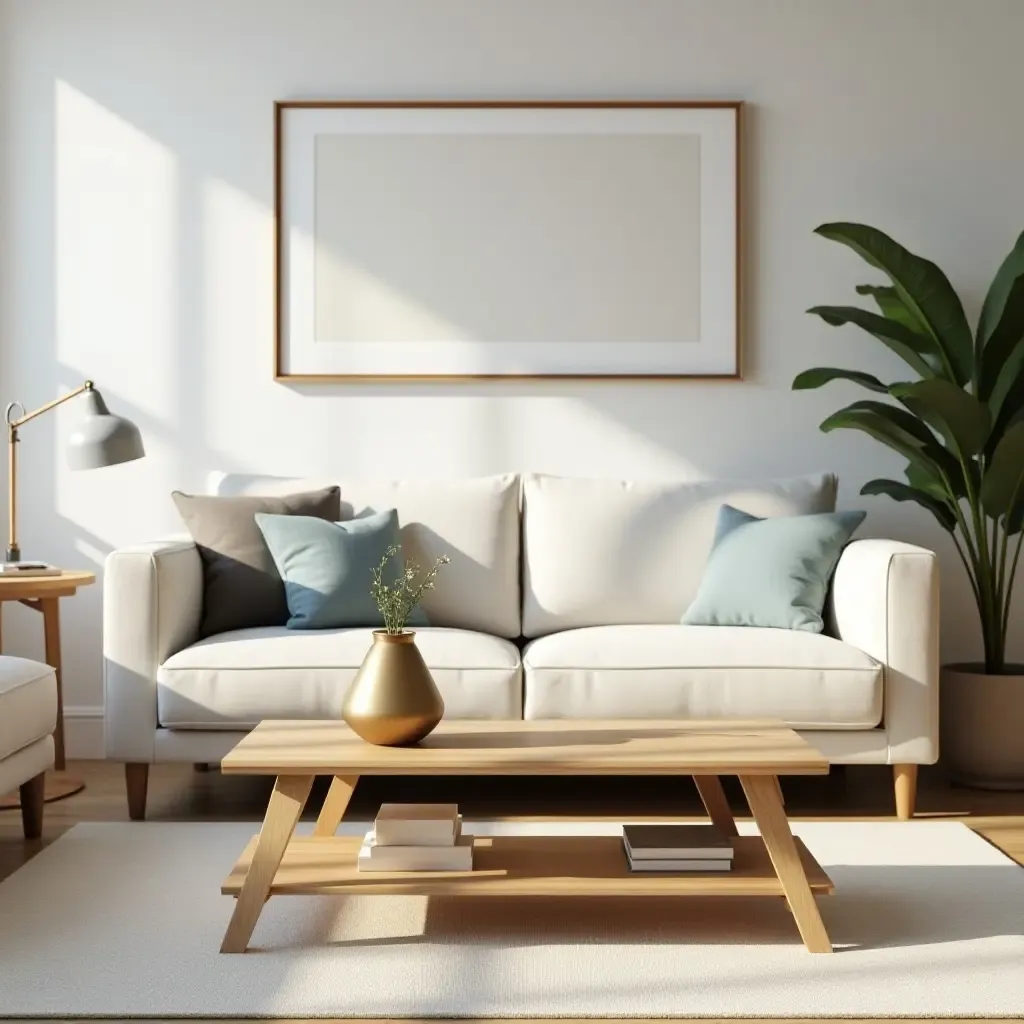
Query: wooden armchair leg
x=33, y=795
x=905, y=780
x=136, y=777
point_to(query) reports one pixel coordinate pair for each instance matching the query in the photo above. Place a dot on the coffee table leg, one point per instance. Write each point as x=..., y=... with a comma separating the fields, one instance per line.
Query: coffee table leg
x=763, y=796
x=338, y=796
x=286, y=802
x=711, y=792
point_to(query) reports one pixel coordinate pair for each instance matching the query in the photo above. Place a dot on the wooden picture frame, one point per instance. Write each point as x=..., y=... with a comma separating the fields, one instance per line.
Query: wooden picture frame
x=429, y=240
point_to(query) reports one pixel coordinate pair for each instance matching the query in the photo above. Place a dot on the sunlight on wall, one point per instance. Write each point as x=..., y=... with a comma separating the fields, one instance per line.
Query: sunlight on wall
x=116, y=285
x=360, y=305
x=237, y=314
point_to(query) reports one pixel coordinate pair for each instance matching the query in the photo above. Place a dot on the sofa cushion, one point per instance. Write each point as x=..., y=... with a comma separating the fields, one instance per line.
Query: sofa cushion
x=328, y=568
x=241, y=584
x=28, y=703
x=236, y=679
x=608, y=552
x=770, y=572
x=475, y=522
x=807, y=680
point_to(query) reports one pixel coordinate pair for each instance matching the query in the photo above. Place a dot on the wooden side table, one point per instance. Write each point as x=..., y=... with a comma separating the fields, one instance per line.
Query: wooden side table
x=43, y=593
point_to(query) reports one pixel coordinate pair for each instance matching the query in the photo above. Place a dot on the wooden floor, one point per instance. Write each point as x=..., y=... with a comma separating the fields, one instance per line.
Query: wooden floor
x=179, y=793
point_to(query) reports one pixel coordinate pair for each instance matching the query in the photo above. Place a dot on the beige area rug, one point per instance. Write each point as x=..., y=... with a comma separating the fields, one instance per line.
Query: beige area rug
x=124, y=920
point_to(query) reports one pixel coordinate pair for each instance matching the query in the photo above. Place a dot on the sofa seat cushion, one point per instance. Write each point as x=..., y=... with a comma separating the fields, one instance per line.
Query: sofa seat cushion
x=236, y=679
x=808, y=680
x=28, y=703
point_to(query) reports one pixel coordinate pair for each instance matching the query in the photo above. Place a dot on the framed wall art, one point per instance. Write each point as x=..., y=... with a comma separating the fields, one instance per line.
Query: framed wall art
x=467, y=240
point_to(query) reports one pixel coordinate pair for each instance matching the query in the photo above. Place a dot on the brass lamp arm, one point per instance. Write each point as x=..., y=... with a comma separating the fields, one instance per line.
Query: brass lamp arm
x=13, y=553
x=14, y=424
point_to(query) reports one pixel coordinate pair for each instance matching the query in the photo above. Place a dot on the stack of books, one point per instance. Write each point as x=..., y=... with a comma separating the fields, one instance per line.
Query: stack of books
x=676, y=848
x=417, y=837
x=25, y=569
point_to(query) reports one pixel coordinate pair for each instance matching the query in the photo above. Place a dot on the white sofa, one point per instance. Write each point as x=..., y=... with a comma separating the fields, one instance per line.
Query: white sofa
x=562, y=600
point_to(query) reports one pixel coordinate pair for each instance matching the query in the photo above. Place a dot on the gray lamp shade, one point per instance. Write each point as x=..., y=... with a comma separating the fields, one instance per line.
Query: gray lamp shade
x=103, y=439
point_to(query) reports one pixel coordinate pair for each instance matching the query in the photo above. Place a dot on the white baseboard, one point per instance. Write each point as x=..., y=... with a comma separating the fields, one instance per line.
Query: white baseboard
x=83, y=732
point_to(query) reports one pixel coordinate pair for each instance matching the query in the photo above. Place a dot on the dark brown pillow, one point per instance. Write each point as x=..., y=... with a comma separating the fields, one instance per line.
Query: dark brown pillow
x=241, y=585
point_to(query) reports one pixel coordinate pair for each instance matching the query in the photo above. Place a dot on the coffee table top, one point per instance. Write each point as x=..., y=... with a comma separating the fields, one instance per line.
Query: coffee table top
x=553, y=747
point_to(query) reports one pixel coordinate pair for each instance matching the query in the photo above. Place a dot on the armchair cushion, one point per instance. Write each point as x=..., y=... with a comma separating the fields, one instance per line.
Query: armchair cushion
x=28, y=703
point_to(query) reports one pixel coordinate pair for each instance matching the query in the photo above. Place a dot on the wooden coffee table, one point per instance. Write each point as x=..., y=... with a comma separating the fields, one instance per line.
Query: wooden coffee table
x=773, y=864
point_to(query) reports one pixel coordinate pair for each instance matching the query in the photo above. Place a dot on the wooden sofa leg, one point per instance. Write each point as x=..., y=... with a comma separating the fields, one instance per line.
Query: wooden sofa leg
x=33, y=795
x=136, y=777
x=905, y=780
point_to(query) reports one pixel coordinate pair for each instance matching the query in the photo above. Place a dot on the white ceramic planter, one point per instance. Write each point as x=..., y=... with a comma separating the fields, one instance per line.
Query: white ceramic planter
x=982, y=726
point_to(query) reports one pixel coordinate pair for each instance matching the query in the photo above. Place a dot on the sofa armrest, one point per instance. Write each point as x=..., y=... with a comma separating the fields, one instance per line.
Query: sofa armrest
x=885, y=601
x=152, y=602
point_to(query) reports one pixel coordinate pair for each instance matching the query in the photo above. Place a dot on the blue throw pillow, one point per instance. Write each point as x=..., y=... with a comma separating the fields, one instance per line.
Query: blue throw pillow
x=326, y=567
x=771, y=572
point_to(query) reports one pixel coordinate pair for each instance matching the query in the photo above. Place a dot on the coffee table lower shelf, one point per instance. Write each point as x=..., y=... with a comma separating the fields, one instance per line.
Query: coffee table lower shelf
x=521, y=866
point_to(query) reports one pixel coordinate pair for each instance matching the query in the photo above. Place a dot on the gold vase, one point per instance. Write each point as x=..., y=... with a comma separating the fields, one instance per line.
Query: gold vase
x=393, y=700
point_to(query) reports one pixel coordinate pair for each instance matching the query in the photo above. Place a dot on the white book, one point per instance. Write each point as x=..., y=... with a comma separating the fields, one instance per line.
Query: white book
x=417, y=825
x=373, y=857
x=28, y=569
x=687, y=866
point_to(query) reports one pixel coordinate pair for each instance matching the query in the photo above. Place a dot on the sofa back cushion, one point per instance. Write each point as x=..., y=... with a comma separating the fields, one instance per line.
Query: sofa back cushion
x=620, y=552
x=473, y=521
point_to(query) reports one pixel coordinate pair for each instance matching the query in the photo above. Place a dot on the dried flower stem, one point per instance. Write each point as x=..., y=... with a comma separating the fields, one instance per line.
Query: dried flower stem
x=397, y=600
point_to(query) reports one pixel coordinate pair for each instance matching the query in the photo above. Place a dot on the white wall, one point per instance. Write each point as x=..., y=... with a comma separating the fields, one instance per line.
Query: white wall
x=136, y=239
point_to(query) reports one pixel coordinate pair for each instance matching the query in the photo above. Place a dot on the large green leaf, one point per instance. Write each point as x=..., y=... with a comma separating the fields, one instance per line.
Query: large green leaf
x=949, y=488
x=901, y=431
x=904, y=492
x=1015, y=520
x=877, y=419
x=1009, y=413
x=916, y=350
x=892, y=306
x=962, y=421
x=1002, y=489
x=1001, y=330
x=921, y=285
x=821, y=375
x=926, y=479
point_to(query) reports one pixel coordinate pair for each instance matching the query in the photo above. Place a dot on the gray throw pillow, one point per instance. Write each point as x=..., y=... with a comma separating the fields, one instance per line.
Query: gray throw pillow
x=241, y=585
x=326, y=567
x=771, y=572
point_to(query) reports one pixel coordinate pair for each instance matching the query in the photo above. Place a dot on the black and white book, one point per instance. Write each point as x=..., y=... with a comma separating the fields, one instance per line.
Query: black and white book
x=677, y=865
x=676, y=842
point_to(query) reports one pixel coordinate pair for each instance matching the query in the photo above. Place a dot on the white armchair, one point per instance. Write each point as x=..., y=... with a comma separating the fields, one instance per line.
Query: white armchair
x=28, y=716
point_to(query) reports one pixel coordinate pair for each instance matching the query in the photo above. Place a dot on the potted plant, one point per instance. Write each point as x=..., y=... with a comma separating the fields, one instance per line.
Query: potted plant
x=959, y=422
x=393, y=699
